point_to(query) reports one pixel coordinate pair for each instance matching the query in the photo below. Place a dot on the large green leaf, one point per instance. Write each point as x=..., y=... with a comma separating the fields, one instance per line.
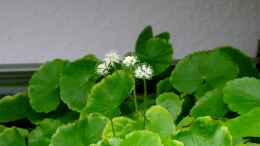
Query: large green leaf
x=160, y=121
x=109, y=93
x=171, y=102
x=81, y=133
x=211, y=104
x=142, y=138
x=143, y=37
x=14, y=108
x=202, y=71
x=246, y=125
x=43, y=88
x=11, y=137
x=77, y=80
x=122, y=126
x=247, y=67
x=205, y=132
x=242, y=94
x=158, y=53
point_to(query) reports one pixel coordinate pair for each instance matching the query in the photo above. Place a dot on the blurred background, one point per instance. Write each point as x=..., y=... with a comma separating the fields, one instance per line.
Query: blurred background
x=34, y=31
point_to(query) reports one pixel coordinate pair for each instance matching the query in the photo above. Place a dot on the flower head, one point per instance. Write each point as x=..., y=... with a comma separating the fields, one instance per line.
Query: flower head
x=130, y=61
x=112, y=58
x=144, y=71
x=103, y=69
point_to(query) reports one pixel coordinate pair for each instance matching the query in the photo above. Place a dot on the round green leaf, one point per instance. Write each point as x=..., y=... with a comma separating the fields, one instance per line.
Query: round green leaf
x=142, y=138
x=205, y=69
x=14, y=107
x=242, y=94
x=171, y=102
x=158, y=53
x=11, y=137
x=211, y=104
x=122, y=126
x=205, y=132
x=246, y=125
x=80, y=133
x=44, y=87
x=246, y=65
x=109, y=93
x=159, y=120
x=76, y=81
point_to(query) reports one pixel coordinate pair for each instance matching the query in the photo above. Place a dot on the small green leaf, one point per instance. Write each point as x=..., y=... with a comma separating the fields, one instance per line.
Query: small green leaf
x=14, y=108
x=81, y=133
x=205, y=132
x=242, y=94
x=159, y=120
x=11, y=137
x=108, y=94
x=171, y=102
x=185, y=122
x=43, y=88
x=143, y=37
x=77, y=80
x=164, y=35
x=142, y=138
x=122, y=126
x=246, y=125
x=158, y=53
x=211, y=104
x=212, y=68
x=164, y=86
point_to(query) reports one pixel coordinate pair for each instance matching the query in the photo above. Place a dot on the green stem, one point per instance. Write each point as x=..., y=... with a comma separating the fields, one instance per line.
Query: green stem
x=113, y=129
x=135, y=100
x=145, y=94
x=145, y=99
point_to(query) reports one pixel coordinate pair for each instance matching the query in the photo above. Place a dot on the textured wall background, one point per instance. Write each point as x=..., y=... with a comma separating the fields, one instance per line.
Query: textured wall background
x=34, y=31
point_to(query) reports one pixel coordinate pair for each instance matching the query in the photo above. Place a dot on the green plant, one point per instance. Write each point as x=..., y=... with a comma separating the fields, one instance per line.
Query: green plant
x=210, y=98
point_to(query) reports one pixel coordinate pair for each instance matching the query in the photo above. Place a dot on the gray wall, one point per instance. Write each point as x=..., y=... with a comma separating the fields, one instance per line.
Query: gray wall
x=34, y=31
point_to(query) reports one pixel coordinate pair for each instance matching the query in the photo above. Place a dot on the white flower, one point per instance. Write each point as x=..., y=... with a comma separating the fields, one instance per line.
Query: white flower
x=103, y=69
x=130, y=61
x=144, y=71
x=112, y=58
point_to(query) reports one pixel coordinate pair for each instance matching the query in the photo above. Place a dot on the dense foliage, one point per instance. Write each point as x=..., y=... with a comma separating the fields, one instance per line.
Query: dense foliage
x=209, y=98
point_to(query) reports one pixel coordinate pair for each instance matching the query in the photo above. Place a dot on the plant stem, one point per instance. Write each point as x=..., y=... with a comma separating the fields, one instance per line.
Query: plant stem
x=113, y=129
x=145, y=94
x=145, y=99
x=135, y=100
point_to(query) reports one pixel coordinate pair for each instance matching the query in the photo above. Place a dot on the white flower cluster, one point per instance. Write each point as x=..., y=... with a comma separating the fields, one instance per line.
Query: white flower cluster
x=144, y=71
x=110, y=60
x=130, y=61
x=103, y=69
